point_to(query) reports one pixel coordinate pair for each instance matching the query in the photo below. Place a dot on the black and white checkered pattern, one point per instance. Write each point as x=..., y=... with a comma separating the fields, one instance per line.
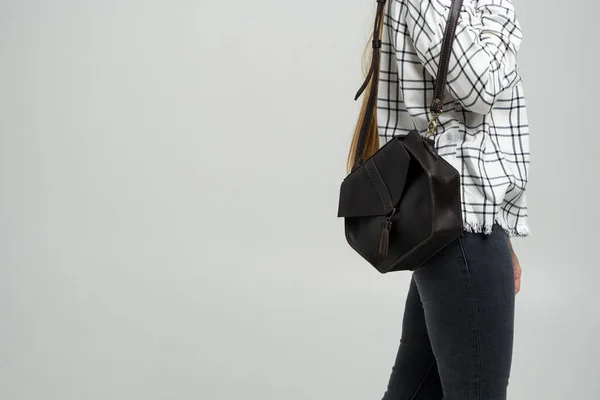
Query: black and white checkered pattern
x=483, y=131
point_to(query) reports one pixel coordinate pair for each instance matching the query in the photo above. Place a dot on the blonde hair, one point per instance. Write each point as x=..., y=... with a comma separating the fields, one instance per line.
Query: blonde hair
x=372, y=142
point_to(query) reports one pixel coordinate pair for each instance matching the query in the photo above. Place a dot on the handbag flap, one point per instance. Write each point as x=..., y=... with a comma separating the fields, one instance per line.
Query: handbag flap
x=376, y=186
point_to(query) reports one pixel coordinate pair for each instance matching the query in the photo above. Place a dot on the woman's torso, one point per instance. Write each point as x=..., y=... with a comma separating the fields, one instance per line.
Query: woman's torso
x=483, y=131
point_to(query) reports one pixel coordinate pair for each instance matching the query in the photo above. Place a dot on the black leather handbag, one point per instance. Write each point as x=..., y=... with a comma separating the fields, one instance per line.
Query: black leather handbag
x=402, y=205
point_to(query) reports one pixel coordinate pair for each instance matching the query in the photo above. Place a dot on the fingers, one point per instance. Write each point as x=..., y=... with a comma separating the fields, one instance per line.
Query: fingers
x=517, y=271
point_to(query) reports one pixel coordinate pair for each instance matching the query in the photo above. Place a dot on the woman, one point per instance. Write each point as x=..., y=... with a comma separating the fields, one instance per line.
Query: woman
x=457, y=335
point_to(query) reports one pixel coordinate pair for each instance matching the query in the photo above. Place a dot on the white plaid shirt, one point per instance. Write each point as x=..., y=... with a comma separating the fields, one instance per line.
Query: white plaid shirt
x=483, y=131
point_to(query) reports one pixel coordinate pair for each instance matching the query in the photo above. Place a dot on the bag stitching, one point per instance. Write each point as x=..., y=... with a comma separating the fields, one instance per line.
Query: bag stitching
x=450, y=25
x=441, y=85
x=386, y=192
x=368, y=165
x=454, y=22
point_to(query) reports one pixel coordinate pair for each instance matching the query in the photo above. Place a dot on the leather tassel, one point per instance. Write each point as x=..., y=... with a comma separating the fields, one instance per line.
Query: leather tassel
x=384, y=238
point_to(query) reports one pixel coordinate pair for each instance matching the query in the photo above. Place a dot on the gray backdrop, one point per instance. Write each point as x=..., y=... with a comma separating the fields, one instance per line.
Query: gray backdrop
x=169, y=175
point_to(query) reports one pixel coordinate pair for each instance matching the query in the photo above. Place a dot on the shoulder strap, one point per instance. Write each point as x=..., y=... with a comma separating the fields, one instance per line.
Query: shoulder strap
x=442, y=72
x=373, y=74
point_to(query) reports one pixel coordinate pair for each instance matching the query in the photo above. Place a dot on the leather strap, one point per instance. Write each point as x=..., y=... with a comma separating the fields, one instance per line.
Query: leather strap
x=373, y=74
x=442, y=72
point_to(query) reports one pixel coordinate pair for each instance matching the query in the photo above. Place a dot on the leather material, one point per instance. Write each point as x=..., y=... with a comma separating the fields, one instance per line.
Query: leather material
x=426, y=198
x=402, y=205
x=442, y=72
x=377, y=187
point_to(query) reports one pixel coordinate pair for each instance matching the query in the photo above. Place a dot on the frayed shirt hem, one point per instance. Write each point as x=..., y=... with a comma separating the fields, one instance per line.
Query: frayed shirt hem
x=521, y=230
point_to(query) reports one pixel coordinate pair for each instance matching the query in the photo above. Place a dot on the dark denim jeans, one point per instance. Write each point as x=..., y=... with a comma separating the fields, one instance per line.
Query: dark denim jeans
x=457, y=331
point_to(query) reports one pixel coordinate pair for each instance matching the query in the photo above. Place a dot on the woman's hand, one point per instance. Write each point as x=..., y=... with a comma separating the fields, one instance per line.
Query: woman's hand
x=517, y=267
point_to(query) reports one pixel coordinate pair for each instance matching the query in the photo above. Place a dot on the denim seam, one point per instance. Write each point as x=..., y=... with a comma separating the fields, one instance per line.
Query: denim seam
x=462, y=249
x=414, y=396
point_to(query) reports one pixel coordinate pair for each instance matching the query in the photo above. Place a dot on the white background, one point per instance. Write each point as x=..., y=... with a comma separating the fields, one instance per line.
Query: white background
x=169, y=176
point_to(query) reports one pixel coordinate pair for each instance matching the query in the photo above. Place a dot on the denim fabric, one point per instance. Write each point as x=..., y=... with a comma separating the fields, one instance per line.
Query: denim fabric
x=457, y=331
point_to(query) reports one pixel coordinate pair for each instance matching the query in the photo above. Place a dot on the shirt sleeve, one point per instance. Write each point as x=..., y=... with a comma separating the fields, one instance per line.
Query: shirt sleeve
x=484, y=54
